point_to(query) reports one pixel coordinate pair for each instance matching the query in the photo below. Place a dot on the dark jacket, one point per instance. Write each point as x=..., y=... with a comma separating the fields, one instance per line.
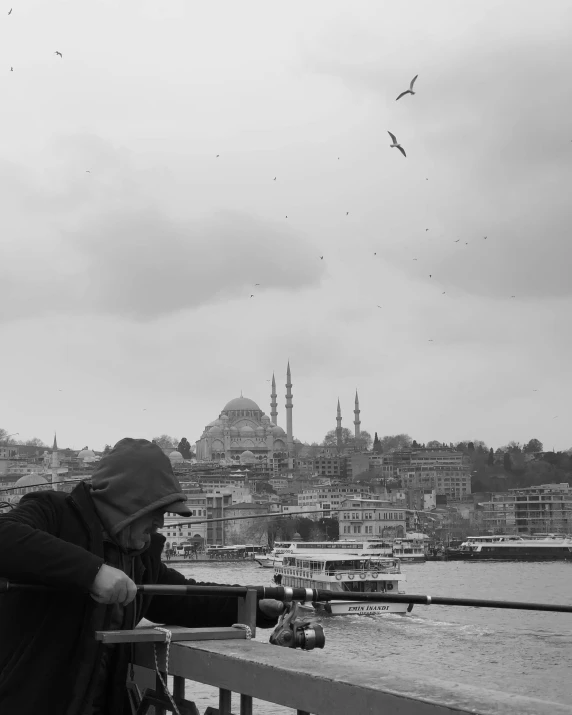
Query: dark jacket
x=49, y=658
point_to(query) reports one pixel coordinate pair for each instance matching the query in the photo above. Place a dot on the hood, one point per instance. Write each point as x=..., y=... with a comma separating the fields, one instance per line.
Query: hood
x=135, y=478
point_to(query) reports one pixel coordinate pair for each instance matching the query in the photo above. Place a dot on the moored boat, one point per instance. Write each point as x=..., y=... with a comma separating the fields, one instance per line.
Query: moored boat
x=512, y=547
x=345, y=573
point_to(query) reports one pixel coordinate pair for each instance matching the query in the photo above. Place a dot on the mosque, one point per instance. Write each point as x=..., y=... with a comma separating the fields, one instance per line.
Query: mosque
x=243, y=434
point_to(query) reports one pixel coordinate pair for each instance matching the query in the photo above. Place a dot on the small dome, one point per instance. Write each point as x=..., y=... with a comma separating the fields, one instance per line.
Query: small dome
x=224, y=418
x=241, y=403
x=297, y=441
x=214, y=422
x=260, y=431
x=176, y=456
x=247, y=457
x=234, y=431
x=215, y=431
x=30, y=480
x=265, y=420
x=278, y=432
x=247, y=431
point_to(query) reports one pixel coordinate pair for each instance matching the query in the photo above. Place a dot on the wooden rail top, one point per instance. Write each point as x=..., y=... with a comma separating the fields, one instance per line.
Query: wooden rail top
x=314, y=683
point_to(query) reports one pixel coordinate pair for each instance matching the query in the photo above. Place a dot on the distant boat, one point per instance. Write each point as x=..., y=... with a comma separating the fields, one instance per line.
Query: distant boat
x=281, y=548
x=512, y=547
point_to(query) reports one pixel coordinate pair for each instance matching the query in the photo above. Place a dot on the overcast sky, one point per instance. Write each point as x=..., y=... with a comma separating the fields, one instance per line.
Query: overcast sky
x=125, y=292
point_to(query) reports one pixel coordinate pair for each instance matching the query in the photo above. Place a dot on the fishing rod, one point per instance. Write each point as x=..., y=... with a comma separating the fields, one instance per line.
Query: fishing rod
x=308, y=595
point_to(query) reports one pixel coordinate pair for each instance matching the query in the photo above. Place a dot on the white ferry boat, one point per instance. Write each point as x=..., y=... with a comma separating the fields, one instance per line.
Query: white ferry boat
x=281, y=548
x=409, y=549
x=345, y=573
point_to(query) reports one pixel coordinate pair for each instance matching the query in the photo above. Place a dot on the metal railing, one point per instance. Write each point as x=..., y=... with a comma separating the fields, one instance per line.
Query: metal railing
x=317, y=684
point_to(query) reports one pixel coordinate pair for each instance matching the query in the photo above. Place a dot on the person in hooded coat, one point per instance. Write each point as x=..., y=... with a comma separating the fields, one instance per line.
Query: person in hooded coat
x=94, y=545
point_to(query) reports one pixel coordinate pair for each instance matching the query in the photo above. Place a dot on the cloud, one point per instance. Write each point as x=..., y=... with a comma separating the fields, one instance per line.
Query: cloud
x=112, y=248
x=489, y=127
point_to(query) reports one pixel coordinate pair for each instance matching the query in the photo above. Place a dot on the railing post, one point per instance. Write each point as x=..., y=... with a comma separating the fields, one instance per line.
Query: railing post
x=224, y=702
x=247, y=608
x=245, y=705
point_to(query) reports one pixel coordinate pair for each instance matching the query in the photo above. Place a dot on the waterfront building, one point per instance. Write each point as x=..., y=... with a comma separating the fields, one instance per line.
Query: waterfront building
x=179, y=529
x=362, y=519
x=532, y=510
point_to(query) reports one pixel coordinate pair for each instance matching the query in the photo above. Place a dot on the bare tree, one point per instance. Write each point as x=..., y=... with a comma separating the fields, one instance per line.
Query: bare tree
x=164, y=441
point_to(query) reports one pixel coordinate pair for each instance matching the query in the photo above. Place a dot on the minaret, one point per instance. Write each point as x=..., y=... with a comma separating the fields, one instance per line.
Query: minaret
x=54, y=464
x=289, y=406
x=357, y=422
x=273, y=403
x=339, y=427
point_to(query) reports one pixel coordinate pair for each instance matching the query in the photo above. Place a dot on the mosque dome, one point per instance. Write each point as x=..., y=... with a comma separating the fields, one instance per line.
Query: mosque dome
x=241, y=403
x=30, y=480
x=215, y=431
x=247, y=431
x=175, y=456
x=224, y=418
x=86, y=455
x=265, y=420
x=234, y=431
x=247, y=457
x=278, y=432
x=214, y=422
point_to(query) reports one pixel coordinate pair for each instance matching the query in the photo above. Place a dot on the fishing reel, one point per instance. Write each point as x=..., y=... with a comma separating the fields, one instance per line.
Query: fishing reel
x=296, y=628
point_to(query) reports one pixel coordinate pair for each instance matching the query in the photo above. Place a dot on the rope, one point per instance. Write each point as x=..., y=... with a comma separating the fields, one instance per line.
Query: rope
x=244, y=628
x=168, y=634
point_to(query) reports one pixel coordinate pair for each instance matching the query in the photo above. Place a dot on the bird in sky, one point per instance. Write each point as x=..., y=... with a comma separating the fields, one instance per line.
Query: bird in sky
x=457, y=241
x=429, y=275
x=274, y=179
x=395, y=143
x=555, y=417
x=347, y=213
x=321, y=258
x=430, y=341
x=379, y=306
x=410, y=90
x=485, y=238
x=10, y=11
x=535, y=390
x=374, y=253
x=256, y=284
x=426, y=229
x=144, y=409
x=11, y=69
x=217, y=156
x=443, y=293
x=414, y=259
x=87, y=171
x=513, y=296
x=286, y=216
x=58, y=53
x=252, y=295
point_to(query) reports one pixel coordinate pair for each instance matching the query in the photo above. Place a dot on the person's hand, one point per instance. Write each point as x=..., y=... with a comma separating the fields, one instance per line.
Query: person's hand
x=271, y=608
x=112, y=585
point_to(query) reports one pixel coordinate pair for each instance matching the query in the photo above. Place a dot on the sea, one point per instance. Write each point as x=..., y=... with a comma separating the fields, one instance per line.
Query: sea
x=522, y=652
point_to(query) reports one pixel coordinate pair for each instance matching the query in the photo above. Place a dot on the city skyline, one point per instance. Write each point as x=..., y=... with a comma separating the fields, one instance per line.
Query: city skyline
x=183, y=221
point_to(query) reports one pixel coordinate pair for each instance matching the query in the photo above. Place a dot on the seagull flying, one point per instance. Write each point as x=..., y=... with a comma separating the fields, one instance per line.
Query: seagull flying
x=395, y=144
x=379, y=306
x=443, y=293
x=11, y=69
x=274, y=179
x=256, y=284
x=217, y=156
x=414, y=259
x=485, y=238
x=252, y=295
x=430, y=341
x=457, y=241
x=321, y=258
x=10, y=11
x=347, y=213
x=58, y=53
x=410, y=90
x=429, y=275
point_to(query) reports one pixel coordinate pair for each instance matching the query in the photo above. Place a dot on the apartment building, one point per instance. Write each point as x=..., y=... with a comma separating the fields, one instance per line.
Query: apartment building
x=362, y=519
x=329, y=499
x=541, y=509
